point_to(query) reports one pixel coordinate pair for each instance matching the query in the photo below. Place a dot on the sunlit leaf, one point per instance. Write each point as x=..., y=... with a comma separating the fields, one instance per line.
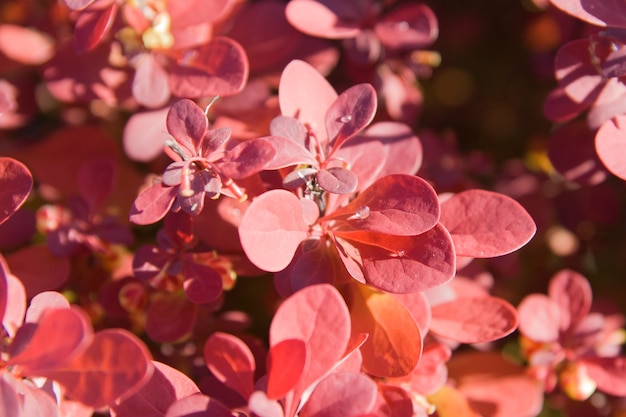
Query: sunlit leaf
x=271, y=230
x=231, y=361
x=485, y=224
x=395, y=342
x=15, y=185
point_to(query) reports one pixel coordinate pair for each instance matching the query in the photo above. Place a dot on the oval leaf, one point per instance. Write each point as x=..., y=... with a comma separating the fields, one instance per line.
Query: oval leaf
x=271, y=230
x=609, y=143
x=198, y=405
x=152, y=204
x=115, y=364
x=337, y=180
x=399, y=204
x=341, y=394
x=484, y=224
x=318, y=316
x=387, y=352
x=286, y=362
x=353, y=110
x=16, y=182
x=230, y=361
x=474, y=319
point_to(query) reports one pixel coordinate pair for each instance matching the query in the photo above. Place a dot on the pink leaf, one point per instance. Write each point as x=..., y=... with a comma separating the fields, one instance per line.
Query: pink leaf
x=92, y=26
x=286, y=363
x=15, y=185
x=596, y=12
x=78, y=4
x=315, y=19
x=231, y=361
x=341, y=394
x=60, y=335
x=24, y=45
x=400, y=204
x=43, y=301
x=16, y=305
x=572, y=293
x=539, y=318
x=187, y=123
x=152, y=204
x=485, y=224
x=150, y=84
x=318, y=316
x=353, y=110
x=145, y=134
x=247, y=158
x=115, y=365
x=219, y=67
x=262, y=406
x=164, y=388
x=288, y=153
x=609, y=144
x=198, y=405
x=474, y=319
x=337, y=180
x=271, y=230
x=305, y=94
x=416, y=263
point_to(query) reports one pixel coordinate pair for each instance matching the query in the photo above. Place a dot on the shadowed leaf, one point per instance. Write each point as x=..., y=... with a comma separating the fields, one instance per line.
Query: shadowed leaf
x=15, y=185
x=231, y=361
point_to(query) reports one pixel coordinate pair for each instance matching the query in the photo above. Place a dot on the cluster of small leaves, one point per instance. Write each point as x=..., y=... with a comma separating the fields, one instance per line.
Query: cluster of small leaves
x=238, y=159
x=590, y=75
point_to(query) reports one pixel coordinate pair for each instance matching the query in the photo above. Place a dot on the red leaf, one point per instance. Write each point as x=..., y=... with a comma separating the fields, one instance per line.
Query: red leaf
x=318, y=316
x=353, y=110
x=608, y=373
x=305, y=94
x=539, y=318
x=408, y=27
x=170, y=317
x=389, y=324
x=151, y=83
x=341, y=394
x=405, y=264
x=572, y=152
x=60, y=335
x=202, y=283
x=93, y=25
x=187, y=123
x=115, y=365
x=152, y=204
x=572, y=293
x=609, y=144
x=217, y=68
x=49, y=272
x=15, y=185
x=288, y=152
x=316, y=19
x=165, y=387
x=271, y=230
x=286, y=363
x=96, y=179
x=474, y=319
x=13, y=317
x=198, y=405
x=230, y=361
x=247, y=158
x=400, y=204
x=484, y=224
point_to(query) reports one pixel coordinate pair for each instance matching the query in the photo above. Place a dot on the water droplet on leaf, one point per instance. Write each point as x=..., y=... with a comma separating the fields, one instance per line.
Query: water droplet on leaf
x=345, y=119
x=400, y=253
x=362, y=212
